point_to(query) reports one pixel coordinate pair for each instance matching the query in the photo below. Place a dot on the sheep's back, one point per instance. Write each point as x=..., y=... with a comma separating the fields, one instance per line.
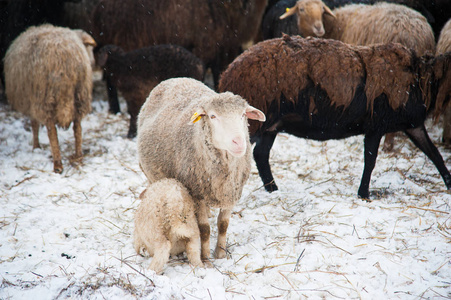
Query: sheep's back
x=48, y=75
x=444, y=41
x=383, y=23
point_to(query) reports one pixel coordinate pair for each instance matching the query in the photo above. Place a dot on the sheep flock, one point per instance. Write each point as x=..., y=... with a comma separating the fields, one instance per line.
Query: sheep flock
x=256, y=116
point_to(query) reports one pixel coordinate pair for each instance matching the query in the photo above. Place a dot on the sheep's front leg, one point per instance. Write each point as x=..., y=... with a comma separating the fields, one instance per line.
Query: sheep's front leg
x=371, y=144
x=223, y=224
x=35, y=130
x=54, y=145
x=204, y=230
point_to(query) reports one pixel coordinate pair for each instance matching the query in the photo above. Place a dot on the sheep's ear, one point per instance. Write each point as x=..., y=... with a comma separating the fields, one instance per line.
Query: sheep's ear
x=328, y=11
x=289, y=12
x=85, y=38
x=197, y=115
x=255, y=114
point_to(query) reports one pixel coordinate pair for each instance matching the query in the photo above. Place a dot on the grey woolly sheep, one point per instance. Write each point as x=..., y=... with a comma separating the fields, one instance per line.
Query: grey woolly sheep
x=324, y=89
x=137, y=72
x=444, y=45
x=189, y=132
x=165, y=224
x=212, y=30
x=49, y=79
x=360, y=24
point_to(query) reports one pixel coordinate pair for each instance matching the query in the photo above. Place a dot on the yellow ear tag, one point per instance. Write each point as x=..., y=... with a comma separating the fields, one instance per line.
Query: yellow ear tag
x=287, y=9
x=196, y=117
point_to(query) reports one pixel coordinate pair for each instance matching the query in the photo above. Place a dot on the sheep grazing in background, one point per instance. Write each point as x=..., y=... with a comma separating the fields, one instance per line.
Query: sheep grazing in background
x=49, y=79
x=325, y=89
x=444, y=45
x=18, y=15
x=436, y=13
x=137, y=72
x=213, y=30
x=189, y=132
x=359, y=24
x=165, y=224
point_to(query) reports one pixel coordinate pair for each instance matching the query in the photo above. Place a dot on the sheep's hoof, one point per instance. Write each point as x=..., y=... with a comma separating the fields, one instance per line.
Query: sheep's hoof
x=207, y=263
x=220, y=253
x=58, y=167
x=271, y=187
x=76, y=159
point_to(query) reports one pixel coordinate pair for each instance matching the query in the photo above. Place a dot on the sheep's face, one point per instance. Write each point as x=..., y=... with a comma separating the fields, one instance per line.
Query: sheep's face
x=227, y=120
x=310, y=17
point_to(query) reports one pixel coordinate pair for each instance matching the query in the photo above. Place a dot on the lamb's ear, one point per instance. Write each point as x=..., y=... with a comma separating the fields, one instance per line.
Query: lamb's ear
x=255, y=114
x=197, y=115
x=289, y=12
x=328, y=11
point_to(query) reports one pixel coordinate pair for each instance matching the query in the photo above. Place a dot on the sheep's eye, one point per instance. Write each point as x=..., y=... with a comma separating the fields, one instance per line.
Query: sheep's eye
x=212, y=117
x=301, y=9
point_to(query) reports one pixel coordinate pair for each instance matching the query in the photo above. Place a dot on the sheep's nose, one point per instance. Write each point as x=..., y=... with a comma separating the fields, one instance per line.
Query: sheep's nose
x=318, y=29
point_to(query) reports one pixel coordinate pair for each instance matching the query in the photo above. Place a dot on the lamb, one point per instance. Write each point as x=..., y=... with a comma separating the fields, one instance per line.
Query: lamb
x=213, y=30
x=444, y=45
x=359, y=24
x=137, y=72
x=165, y=224
x=49, y=79
x=325, y=89
x=189, y=132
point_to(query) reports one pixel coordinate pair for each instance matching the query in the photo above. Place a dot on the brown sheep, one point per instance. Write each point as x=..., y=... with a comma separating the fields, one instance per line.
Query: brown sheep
x=165, y=224
x=444, y=45
x=137, y=72
x=212, y=30
x=360, y=24
x=49, y=79
x=189, y=132
x=324, y=89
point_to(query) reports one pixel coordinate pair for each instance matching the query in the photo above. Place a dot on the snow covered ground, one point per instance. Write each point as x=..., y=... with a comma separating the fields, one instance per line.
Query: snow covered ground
x=70, y=235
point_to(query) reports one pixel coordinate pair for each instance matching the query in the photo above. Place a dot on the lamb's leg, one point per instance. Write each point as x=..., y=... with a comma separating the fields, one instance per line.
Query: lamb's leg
x=223, y=224
x=261, y=155
x=113, y=101
x=133, y=111
x=204, y=230
x=193, y=251
x=371, y=146
x=54, y=145
x=161, y=256
x=420, y=138
x=78, y=140
x=35, y=130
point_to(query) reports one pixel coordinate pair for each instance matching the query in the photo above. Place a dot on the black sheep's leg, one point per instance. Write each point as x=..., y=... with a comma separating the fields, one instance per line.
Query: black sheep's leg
x=261, y=155
x=112, y=96
x=371, y=146
x=420, y=138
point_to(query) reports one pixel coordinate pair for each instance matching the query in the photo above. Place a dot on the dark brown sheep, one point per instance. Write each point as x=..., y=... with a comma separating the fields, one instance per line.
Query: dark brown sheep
x=325, y=89
x=137, y=72
x=213, y=30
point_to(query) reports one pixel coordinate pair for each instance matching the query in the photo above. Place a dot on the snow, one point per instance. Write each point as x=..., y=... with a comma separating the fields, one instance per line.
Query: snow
x=71, y=235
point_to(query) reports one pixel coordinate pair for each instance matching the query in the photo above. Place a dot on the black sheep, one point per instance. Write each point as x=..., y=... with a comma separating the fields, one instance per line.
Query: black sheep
x=325, y=89
x=137, y=72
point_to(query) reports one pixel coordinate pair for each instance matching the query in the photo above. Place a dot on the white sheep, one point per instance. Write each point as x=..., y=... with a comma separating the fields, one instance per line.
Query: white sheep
x=189, y=132
x=48, y=78
x=444, y=45
x=165, y=224
x=360, y=24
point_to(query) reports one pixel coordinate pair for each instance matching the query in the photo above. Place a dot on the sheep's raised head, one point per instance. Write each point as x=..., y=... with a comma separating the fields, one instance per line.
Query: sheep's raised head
x=310, y=16
x=227, y=115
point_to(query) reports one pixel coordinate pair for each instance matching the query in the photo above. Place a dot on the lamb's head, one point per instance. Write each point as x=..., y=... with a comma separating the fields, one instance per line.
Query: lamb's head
x=225, y=115
x=310, y=16
x=104, y=52
x=441, y=69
